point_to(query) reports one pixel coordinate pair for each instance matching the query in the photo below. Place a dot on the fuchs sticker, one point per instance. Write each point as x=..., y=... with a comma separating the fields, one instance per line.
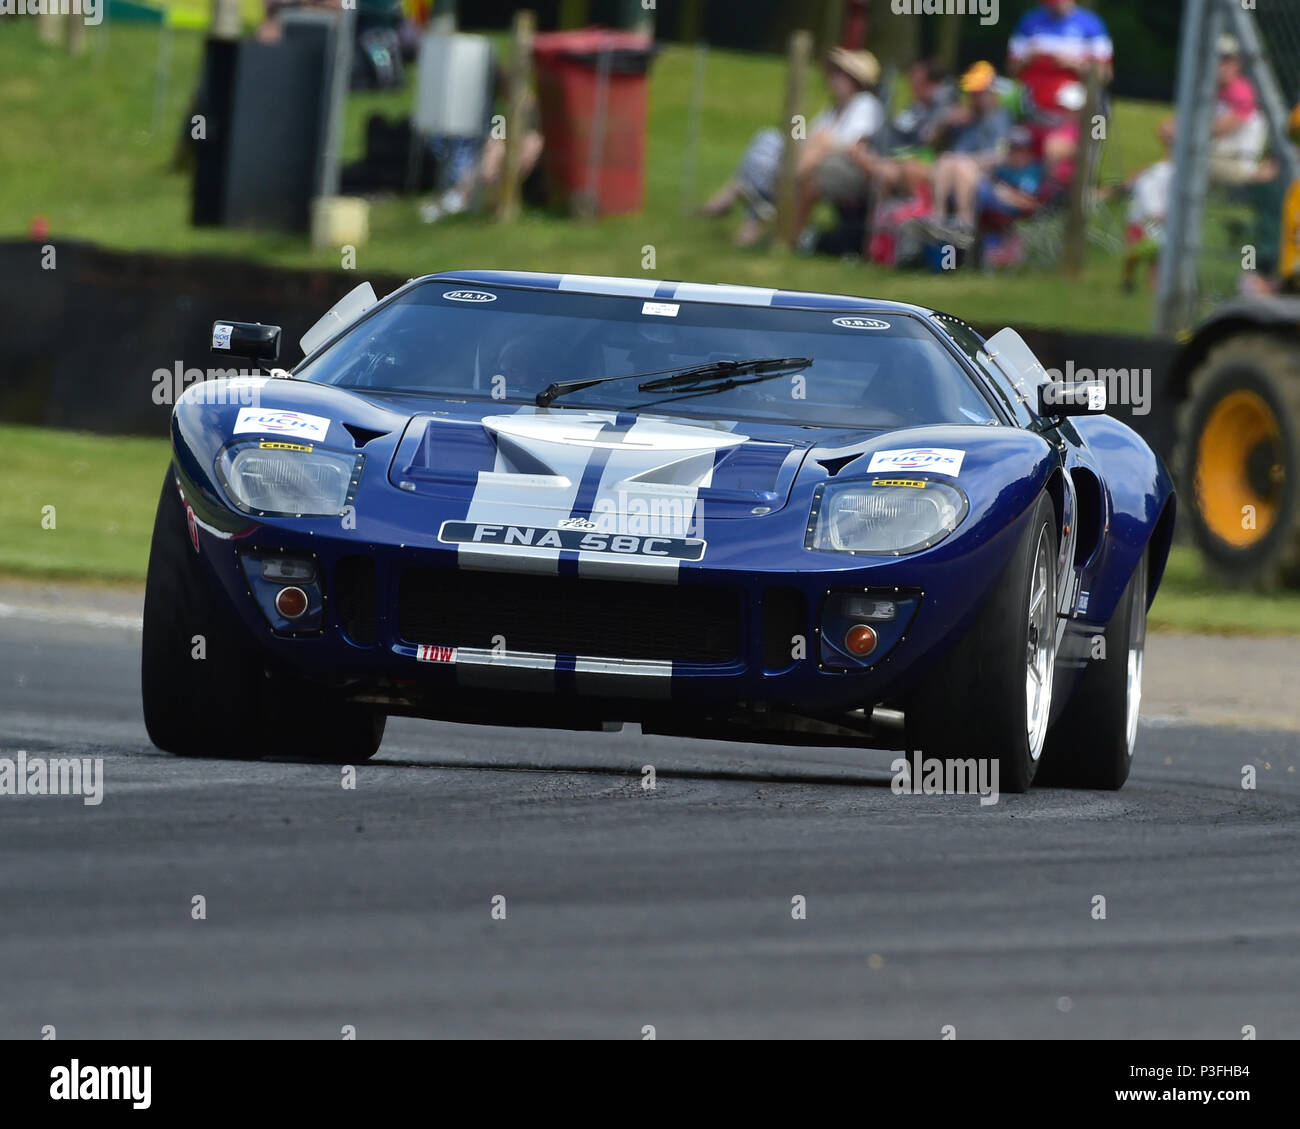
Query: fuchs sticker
x=469, y=296
x=280, y=445
x=860, y=323
x=660, y=309
x=432, y=653
x=221, y=336
x=268, y=421
x=942, y=460
x=574, y=540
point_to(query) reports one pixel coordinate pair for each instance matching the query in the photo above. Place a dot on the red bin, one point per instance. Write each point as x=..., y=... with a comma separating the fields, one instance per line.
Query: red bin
x=591, y=92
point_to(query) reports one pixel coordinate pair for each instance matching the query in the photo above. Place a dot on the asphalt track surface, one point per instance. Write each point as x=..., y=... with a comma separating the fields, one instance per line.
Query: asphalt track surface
x=624, y=908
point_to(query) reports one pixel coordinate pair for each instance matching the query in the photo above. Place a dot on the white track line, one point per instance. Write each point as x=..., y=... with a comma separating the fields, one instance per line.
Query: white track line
x=82, y=617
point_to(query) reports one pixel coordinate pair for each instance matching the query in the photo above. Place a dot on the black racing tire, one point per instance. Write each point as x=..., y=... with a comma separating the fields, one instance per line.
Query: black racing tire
x=1091, y=744
x=1238, y=445
x=199, y=677
x=977, y=703
x=213, y=698
x=303, y=721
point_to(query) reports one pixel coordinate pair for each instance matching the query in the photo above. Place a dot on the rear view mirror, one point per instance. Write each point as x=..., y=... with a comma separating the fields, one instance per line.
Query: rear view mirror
x=338, y=317
x=1049, y=398
x=1071, y=398
x=251, y=340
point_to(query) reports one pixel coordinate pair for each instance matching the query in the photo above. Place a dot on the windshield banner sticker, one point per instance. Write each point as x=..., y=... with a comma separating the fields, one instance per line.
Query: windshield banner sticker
x=942, y=460
x=860, y=323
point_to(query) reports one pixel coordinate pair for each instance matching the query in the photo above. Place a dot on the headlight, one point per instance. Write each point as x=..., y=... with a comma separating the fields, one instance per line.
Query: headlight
x=268, y=480
x=888, y=516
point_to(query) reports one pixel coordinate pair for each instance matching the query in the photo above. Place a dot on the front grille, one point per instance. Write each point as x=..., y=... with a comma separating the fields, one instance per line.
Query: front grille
x=354, y=585
x=569, y=616
x=785, y=620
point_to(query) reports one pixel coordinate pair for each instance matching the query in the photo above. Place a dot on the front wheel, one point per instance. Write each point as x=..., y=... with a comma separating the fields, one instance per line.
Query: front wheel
x=199, y=678
x=992, y=696
x=203, y=681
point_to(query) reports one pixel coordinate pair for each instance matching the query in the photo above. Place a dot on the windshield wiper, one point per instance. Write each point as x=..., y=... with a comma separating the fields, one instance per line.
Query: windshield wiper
x=690, y=377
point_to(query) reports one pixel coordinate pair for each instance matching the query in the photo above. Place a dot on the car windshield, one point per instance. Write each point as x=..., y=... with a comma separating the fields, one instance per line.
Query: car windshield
x=505, y=344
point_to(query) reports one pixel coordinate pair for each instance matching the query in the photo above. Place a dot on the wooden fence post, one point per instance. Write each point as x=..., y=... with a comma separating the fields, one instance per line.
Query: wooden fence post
x=1081, y=194
x=796, y=83
x=516, y=115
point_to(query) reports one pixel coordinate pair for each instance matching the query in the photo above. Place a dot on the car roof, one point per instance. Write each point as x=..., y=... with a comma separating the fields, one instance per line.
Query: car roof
x=663, y=290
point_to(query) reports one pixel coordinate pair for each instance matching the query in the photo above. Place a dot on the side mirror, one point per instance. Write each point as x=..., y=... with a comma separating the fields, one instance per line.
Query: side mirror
x=1071, y=398
x=251, y=340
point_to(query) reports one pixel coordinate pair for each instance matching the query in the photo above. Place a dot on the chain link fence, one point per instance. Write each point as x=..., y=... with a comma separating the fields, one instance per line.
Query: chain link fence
x=1224, y=213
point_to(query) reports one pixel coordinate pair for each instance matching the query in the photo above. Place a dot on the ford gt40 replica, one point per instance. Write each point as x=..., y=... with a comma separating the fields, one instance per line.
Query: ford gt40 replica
x=714, y=511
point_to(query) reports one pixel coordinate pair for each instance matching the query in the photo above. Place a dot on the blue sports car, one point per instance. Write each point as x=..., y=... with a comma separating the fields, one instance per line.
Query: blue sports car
x=715, y=511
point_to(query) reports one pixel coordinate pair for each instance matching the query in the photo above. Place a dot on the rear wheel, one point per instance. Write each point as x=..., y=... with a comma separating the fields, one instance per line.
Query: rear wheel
x=1238, y=459
x=1092, y=743
x=992, y=696
x=202, y=679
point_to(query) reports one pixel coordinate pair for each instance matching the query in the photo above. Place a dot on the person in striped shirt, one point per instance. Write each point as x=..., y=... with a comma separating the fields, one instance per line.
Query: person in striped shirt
x=1050, y=51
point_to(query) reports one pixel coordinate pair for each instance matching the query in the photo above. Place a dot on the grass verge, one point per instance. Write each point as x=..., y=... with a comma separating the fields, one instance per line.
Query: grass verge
x=78, y=506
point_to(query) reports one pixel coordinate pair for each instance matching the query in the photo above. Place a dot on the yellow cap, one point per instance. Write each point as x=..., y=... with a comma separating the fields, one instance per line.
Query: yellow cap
x=979, y=77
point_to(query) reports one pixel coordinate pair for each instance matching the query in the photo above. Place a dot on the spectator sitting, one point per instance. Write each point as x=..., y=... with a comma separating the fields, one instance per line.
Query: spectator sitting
x=1275, y=230
x=1011, y=188
x=475, y=167
x=982, y=128
x=1049, y=52
x=1147, y=208
x=915, y=129
x=897, y=160
x=855, y=112
x=1239, y=132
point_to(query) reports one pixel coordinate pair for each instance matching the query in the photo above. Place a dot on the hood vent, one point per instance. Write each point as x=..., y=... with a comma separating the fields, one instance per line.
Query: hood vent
x=362, y=435
x=528, y=466
x=839, y=462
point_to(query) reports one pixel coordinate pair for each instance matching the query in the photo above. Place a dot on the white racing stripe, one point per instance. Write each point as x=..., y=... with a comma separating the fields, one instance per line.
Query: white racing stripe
x=606, y=284
x=721, y=293
x=637, y=678
x=485, y=669
x=650, y=487
x=650, y=475
x=504, y=496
